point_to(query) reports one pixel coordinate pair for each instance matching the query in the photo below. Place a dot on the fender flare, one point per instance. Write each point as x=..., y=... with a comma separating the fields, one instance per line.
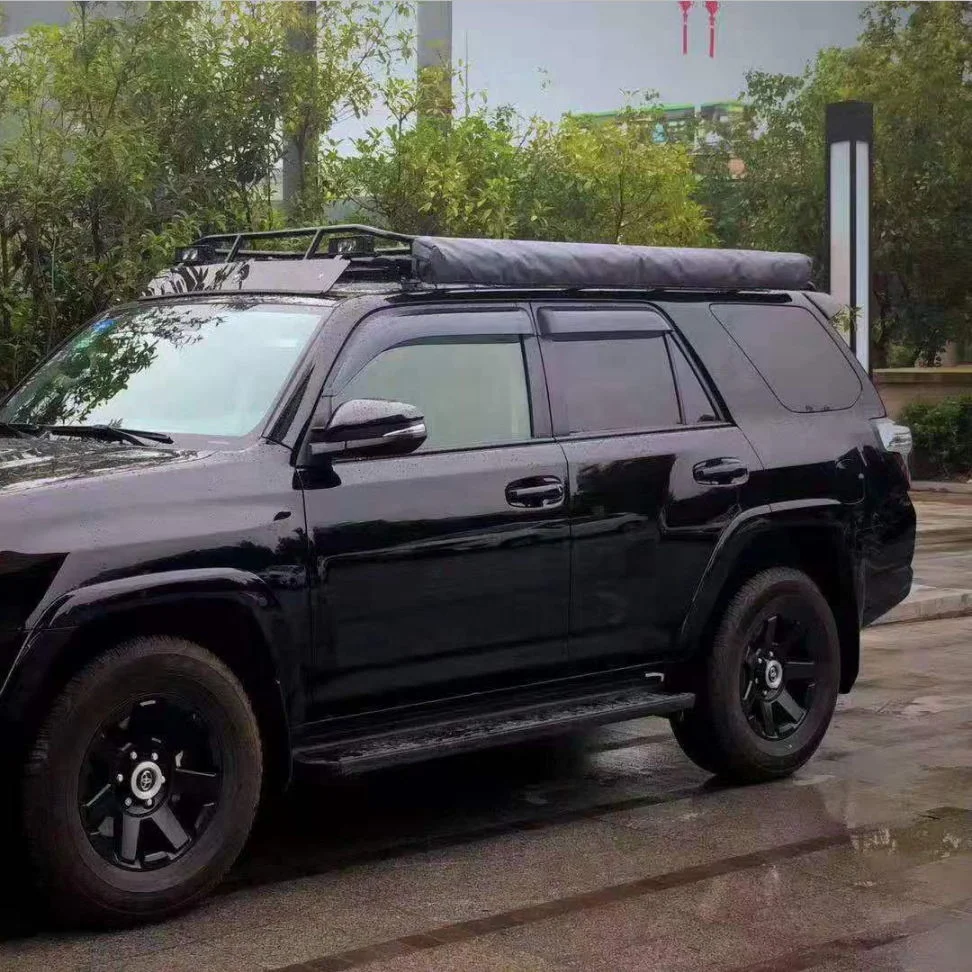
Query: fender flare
x=764, y=522
x=50, y=636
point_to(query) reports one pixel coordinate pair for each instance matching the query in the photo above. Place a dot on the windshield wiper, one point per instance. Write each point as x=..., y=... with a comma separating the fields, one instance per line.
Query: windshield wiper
x=16, y=430
x=109, y=433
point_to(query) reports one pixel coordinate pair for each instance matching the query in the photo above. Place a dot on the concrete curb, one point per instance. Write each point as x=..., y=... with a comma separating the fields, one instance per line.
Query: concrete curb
x=943, y=604
x=943, y=537
x=936, y=486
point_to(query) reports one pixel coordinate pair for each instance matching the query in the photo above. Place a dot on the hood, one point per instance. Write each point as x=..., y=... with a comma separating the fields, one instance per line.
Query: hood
x=27, y=464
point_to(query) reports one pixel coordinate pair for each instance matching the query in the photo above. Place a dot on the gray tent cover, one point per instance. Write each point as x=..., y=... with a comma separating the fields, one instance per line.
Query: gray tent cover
x=527, y=264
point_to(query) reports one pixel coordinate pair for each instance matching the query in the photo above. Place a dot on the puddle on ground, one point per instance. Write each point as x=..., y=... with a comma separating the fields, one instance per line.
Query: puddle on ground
x=937, y=834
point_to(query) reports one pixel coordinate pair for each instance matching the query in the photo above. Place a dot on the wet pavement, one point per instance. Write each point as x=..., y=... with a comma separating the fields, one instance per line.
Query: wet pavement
x=943, y=560
x=610, y=852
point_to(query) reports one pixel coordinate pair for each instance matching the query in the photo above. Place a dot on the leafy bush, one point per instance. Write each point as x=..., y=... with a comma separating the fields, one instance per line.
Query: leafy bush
x=122, y=136
x=942, y=433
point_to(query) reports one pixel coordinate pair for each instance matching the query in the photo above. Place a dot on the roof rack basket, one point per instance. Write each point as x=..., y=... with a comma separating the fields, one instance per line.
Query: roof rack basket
x=351, y=241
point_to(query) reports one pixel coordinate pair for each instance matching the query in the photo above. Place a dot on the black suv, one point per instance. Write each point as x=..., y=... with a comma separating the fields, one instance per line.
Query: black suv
x=335, y=499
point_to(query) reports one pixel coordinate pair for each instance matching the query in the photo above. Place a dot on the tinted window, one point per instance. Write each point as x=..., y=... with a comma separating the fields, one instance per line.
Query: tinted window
x=472, y=393
x=614, y=383
x=696, y=406
x=210, y=368
x=797, y=358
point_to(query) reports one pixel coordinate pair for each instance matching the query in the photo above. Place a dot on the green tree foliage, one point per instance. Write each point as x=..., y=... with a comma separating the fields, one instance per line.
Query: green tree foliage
x=914, y=62
x=491, y=173
x=942, y=434
x=121, y=137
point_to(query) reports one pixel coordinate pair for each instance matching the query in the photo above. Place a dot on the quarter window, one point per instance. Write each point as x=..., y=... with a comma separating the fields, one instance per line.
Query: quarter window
x=799, y=360
x=472, y=392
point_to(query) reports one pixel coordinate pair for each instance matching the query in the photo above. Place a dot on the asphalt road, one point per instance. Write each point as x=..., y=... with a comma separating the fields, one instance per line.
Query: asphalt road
x=610, y=852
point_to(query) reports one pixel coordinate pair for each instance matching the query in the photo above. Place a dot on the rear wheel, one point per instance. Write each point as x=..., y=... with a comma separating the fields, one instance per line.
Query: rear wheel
x=769, y=685
x=142, y=784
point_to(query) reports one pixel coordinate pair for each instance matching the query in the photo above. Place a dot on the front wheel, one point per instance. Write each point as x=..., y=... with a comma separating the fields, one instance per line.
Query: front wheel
x=769, y=685
x=142, y=784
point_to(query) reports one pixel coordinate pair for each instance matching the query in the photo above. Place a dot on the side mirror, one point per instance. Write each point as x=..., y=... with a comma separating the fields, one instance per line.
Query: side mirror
x=369, y=427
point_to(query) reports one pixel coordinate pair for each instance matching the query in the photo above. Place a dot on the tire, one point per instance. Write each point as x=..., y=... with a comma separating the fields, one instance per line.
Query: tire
x=743, y=728
x=201, y=767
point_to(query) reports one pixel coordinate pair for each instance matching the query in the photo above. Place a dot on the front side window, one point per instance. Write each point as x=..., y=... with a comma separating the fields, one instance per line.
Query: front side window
x=472, y=392
x=208, y=368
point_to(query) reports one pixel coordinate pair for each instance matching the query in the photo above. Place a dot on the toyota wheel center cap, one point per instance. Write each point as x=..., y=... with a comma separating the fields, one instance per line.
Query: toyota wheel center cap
x=774, y=674
x=146, y=780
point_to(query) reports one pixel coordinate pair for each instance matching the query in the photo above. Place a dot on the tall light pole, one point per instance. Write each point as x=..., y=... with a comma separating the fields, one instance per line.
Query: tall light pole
x=850, y=139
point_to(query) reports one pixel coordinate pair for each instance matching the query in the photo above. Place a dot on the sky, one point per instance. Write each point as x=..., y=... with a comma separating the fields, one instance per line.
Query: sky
x=548, y=57
x=590, y=51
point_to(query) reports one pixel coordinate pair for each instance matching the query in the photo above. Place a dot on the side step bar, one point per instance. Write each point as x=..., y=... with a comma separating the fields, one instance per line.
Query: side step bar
x=468, y=733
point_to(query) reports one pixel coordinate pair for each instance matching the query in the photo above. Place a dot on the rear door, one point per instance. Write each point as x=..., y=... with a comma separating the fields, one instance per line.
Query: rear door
x=656, y=473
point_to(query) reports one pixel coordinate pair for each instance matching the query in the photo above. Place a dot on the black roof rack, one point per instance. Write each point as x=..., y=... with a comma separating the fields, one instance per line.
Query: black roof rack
x=317, y=256
x=349, y=240
x=308, y=260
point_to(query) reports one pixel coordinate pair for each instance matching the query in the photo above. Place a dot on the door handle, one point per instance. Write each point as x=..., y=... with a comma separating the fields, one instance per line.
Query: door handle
x=538, y=492
x=721, y=472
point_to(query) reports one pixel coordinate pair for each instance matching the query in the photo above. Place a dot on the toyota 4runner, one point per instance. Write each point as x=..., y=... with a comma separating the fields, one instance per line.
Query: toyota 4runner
x=335, y=499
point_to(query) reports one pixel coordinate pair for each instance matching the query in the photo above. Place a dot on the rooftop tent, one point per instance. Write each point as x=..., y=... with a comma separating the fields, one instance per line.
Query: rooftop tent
x=524, y=264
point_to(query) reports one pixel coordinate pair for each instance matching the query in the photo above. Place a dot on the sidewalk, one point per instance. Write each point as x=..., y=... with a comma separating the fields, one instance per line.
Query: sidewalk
x=943, y=560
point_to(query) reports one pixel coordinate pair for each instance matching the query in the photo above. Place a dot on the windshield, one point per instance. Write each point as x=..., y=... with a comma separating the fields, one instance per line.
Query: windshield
x=200, y=369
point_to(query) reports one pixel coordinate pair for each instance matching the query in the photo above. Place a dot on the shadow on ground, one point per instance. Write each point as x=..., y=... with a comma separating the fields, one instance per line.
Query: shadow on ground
x=321, y=826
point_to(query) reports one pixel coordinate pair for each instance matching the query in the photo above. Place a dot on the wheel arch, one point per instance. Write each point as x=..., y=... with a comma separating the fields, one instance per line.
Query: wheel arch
x=234, y=616
x=814, y=540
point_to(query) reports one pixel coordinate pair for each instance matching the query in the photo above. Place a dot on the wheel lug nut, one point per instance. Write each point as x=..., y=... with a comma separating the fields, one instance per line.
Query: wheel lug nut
x=161, y=779
x=119, y=778
x=155, y=757
x=128, y=801
x=134, y=754
x=148, y=802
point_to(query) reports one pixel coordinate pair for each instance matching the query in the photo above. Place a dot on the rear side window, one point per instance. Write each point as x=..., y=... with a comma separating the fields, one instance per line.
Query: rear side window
x=797, y=358
x=609, y=369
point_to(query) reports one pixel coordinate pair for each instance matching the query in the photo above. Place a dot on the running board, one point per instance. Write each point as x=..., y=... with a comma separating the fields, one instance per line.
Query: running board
x=448, y=737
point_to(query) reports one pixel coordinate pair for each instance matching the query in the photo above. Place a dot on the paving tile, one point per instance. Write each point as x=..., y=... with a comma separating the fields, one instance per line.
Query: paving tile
x=55, y=952
x=318, y=933
x=944, y=882
x=519, y=869
x=193, y=958
x=483, y=955
x=944, y=949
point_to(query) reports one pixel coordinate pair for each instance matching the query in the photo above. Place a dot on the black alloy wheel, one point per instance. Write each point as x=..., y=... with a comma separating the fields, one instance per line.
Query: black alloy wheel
x=767, y=687
x=778, y=673
x=142, y=784
x=150, y=784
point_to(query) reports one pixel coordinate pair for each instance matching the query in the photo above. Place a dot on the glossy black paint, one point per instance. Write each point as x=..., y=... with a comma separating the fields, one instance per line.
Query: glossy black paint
x=370, y=581
x=123, y=528
x=643, y=531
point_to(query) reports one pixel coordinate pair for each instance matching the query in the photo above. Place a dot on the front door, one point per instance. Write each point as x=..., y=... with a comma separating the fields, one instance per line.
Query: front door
x=656, y=474
x=447, y=569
